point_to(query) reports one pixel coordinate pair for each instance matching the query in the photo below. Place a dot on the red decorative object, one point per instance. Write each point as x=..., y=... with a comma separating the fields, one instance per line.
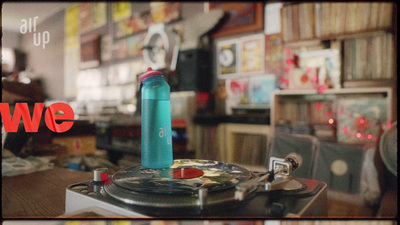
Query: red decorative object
x=304, y=78
x=361, y=123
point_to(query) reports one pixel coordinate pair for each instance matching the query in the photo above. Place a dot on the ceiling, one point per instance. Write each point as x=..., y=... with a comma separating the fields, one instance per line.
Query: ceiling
x=13, y=12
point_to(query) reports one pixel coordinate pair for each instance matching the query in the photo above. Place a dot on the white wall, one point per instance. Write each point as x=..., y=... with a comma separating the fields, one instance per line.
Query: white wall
x=48, y=63
x=11, y=39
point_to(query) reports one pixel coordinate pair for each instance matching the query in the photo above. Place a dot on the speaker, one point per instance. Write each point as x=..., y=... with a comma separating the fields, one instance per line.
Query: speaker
x=303, y=147
x=340, y=166
x=194, y=68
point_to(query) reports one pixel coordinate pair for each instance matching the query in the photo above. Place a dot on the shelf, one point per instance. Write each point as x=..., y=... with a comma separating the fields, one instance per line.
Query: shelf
x=256, y=118
x=295, y=105
x=360, y=90
x=101, y=30
x=317, y=40
x=369, y=83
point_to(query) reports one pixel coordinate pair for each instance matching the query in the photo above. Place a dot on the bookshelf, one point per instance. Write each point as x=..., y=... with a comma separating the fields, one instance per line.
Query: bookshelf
x=296, y=106
x=365, y=33
x=227, y=139
x=367, y=56
x=358, y=99
x=327, y=20
x=245, y=144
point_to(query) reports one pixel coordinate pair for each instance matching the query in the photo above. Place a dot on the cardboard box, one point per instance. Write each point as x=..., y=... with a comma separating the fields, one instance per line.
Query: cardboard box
x=77, y=145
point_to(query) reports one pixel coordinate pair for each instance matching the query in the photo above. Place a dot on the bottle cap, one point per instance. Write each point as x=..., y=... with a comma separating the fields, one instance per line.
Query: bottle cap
x=150, y=72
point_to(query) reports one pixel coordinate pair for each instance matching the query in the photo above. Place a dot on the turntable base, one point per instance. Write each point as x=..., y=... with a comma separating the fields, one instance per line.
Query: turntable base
x=194, y=188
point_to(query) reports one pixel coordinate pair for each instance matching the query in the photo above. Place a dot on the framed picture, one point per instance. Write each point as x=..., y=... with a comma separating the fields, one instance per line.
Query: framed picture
x=261, y=88
x=227, y=58
x=121, y=10
x=71, y=30
x=85, y=17
x=90, y=51
x=240, y=17
x=162, y=12
x=273, y=54
x=237, y=93
x=303, y=78
x=99, y=14
x=252, y=54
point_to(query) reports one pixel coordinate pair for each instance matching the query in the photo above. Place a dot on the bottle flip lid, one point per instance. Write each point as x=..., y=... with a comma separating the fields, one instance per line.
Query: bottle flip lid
x=150, y=72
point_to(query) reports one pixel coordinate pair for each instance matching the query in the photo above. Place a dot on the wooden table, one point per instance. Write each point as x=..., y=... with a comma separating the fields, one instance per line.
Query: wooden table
x=39, y=194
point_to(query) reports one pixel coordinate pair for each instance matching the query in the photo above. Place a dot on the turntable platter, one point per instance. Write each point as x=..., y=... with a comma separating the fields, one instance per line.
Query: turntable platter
x=185, y=176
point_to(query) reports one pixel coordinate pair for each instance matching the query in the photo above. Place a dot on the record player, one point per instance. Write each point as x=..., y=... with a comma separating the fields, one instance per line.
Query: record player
x=201, y=188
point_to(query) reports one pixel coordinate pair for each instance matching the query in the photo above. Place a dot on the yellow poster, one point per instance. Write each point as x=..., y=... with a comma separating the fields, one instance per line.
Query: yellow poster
x=121, y=222
x=121, y=10
x=71, y=20
x=99, y=14
x=158, y=11
x=72, y=223
x=252, y=54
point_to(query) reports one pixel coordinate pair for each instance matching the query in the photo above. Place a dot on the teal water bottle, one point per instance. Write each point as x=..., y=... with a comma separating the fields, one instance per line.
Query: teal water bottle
x=156, y=145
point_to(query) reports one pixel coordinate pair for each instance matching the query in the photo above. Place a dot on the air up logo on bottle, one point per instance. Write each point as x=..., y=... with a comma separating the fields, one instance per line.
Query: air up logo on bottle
x=164, y=133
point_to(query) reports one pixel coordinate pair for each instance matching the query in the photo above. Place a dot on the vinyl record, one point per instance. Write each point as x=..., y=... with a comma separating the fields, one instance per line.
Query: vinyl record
x=185, y=176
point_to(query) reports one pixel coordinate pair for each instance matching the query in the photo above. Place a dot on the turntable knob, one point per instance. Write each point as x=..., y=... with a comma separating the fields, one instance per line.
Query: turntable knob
x=100, y=174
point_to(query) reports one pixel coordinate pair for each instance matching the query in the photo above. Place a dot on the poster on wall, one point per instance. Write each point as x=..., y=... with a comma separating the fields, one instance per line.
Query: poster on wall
x=260, y=89
x=272, y=23
x=99, y=14
x=273, y=54
x=71, y=49
x=252, y=54
x=136, y=23
x=85, y=17
x=165, y=12
x=303, y=78
x=90, y=51
x=121, y=10
x=141, y=21
x=227, y=58
x=241, y=17
x=135, y=44
x=237, y=93
x=71, y=21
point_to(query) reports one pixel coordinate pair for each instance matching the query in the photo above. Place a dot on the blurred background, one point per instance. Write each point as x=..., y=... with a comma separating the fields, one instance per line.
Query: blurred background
x=249, y=80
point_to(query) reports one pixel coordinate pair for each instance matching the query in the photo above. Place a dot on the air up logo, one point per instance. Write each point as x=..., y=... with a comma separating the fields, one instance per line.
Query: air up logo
x=39, y=38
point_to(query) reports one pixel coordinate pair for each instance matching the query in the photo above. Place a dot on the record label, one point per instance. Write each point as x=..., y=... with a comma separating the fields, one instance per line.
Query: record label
x=182, y=173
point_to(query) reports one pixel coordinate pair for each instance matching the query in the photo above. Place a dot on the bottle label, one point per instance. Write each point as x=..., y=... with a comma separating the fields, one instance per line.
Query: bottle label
x=156, y=143
x=164, y=132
